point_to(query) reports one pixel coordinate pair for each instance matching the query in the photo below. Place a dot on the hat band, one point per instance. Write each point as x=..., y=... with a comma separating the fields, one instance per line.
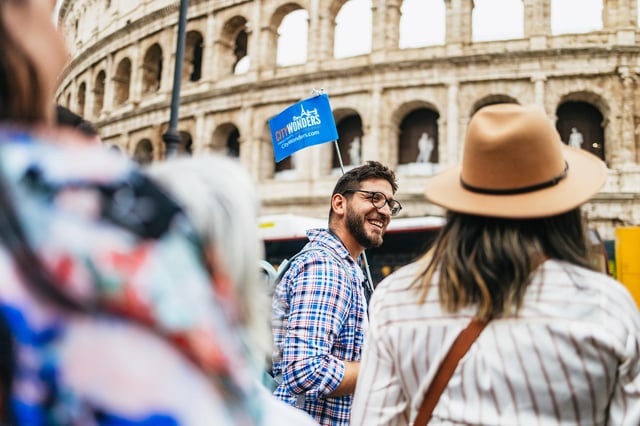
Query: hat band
x=521, y=190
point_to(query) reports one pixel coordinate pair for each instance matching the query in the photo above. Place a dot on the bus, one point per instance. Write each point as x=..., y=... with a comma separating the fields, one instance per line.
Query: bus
x=406, y=240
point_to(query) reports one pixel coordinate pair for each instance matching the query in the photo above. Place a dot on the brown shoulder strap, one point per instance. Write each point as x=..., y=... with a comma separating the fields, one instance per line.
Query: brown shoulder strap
x=460, y=347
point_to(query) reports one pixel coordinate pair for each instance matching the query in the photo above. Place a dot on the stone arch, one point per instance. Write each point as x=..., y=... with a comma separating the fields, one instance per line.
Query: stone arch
x=185, y=147
x=418, y=137
x=350, y=133
x=581, y=122
x=152, y=69
x=226, y=140
x=286, y=39
x=234, y=45
x=122, y=81
x=143, y=152
x=98, y=92
x=81, y=98
x=194, y=47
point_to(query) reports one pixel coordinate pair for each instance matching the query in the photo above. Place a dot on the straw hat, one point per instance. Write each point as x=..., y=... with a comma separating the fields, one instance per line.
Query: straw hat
x=514, y=165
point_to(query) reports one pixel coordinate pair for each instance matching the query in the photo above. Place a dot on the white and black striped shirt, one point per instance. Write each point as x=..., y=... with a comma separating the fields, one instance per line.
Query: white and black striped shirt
x=571, y=356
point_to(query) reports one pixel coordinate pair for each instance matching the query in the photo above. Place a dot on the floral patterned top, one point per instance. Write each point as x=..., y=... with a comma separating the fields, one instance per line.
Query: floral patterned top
x=156, y=341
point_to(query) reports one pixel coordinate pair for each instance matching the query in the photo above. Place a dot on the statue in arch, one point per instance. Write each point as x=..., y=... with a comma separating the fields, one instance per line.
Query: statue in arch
x=575, y=138
x=354, y=151
x=425, y=147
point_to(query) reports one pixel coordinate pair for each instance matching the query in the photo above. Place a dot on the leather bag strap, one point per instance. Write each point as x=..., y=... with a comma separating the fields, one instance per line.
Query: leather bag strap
x=460, y=347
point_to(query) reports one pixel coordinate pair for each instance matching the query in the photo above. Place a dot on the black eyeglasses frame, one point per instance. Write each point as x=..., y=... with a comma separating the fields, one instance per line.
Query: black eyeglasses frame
x=394, y=205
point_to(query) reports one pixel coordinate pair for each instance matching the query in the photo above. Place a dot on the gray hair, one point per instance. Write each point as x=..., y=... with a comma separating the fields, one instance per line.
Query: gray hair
x=220, y=197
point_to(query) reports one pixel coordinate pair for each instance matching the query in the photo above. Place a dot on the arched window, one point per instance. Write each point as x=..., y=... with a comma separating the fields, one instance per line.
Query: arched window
x=82, y=97
x=152, y=69
x=193, y=56
x=186, y=144
x=292, y=38
x=418, y=141
x=122, y=81
x=240, y=51
x=349, y=141
x=580, y=125
x=226, y=140
x=485, y=25
x=352, y=35
x=233, y=143
x=98, y=93
x=575, y=16
x=231, y=47
x=143, y=154
x=422, y=23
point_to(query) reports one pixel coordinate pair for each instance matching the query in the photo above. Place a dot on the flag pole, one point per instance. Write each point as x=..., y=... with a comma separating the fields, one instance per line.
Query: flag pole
x=363, y=255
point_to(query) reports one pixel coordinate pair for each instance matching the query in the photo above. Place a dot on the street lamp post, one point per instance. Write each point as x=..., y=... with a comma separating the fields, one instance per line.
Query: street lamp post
x=172, y=138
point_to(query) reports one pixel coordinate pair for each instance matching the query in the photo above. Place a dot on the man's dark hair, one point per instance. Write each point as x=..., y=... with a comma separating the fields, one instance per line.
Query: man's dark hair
x=354, y=177
x=369, y=170
x=66, y=117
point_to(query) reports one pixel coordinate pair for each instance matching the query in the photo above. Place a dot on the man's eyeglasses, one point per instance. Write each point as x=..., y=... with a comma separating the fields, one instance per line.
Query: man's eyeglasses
x=379, y=200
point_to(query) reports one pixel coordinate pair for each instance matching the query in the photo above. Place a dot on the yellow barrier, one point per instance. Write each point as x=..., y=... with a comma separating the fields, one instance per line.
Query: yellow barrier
x=628, y=259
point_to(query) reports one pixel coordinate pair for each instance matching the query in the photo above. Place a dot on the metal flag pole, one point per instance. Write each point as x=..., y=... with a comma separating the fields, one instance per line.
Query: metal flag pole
x=172, y=137
x=363, y=255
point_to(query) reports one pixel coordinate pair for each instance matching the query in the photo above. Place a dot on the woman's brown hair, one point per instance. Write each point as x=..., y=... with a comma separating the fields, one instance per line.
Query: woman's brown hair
x=488, y=261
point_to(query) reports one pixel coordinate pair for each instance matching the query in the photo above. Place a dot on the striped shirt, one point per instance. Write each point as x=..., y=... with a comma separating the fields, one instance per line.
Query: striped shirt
x=319, y=318
x=571, y=356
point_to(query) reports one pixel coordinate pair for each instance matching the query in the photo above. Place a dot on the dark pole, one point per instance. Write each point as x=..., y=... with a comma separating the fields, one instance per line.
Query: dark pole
x=172, y=137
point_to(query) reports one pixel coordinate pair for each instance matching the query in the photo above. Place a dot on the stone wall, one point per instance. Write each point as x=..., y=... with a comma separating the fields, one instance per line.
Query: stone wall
x=599, y=68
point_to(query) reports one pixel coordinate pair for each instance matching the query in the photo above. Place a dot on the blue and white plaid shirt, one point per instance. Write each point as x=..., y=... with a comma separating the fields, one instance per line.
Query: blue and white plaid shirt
x=319, y=321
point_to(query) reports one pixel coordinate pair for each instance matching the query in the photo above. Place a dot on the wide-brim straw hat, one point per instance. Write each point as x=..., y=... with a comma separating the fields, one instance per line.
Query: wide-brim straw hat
x=514, y=165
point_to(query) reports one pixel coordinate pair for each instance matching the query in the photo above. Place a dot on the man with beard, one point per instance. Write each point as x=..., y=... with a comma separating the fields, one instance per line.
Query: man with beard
x=319, y=306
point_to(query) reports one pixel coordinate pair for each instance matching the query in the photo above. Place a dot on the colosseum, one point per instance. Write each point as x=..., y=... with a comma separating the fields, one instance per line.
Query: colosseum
x=405, y=80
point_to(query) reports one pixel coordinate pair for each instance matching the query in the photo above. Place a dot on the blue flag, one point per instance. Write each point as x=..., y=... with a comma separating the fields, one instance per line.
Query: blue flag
x=309, y=122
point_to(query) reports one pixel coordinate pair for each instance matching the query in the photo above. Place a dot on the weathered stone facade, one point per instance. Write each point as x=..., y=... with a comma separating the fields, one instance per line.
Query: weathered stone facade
x=121, y=75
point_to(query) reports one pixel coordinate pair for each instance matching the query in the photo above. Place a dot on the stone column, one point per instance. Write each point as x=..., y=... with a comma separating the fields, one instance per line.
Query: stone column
x=538, y=89
x=459, y=22
x=199, y=137
x=626, y=148
x=373, y=145
x=254, y=42
x=314, y=37
x=537, y=17
x=267, y=50
x=109, y=87
x=392, y=24
x=169, y=43
x=385, y=26
x=89, y=98
x=208, y=53
x=449, y=153
x=537, y=22
x=620, y=16
x=325, y=43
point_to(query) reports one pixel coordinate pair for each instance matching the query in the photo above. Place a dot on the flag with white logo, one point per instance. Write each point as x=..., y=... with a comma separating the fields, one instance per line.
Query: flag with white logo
x=306, y=123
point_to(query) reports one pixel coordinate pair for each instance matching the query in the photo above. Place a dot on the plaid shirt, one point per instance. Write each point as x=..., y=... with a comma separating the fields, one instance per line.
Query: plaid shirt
x=319, y=320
